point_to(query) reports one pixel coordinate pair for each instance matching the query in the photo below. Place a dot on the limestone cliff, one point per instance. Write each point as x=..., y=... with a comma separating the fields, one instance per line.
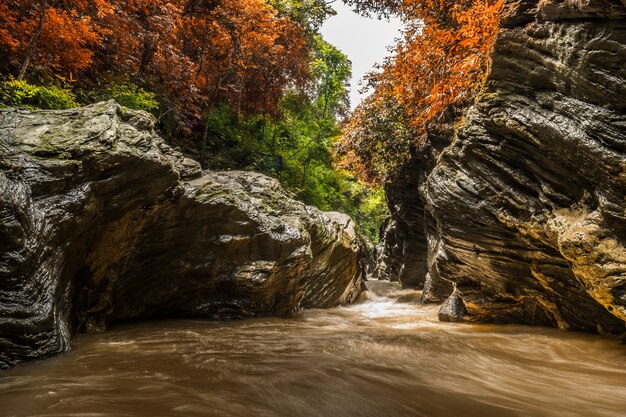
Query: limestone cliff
x=101, y=221
x=525, y=208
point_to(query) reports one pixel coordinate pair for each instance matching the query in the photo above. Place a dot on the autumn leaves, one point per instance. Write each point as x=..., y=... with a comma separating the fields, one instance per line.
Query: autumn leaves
x=45, y=35
x=442, y=61
x=193, y=53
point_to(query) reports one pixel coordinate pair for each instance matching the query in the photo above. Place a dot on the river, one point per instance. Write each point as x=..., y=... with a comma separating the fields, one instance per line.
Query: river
x=386, y=357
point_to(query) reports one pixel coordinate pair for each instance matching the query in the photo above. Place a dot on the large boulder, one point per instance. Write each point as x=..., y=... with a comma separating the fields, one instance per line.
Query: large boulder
x=101, y=221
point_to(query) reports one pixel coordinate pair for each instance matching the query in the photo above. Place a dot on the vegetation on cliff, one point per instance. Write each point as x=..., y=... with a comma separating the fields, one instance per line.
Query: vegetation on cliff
x=440, y=63
x=238, y=84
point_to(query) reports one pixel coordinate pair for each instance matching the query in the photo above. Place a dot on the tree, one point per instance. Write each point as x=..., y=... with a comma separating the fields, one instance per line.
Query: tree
x=251, y=53
x=442, y=61
x=308, y=14
x=58, y=36
x=377, y=137
x=302, y=130
x=332, y=71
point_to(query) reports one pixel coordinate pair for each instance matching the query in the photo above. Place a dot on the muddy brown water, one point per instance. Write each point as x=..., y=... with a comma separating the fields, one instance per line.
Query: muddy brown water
x=386, y=357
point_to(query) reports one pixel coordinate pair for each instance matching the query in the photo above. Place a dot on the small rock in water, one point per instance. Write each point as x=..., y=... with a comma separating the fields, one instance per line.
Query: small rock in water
x=453, y=309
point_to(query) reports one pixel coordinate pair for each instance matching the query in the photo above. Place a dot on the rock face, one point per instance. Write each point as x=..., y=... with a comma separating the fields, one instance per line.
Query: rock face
x=525, y=210
x=411, y=236
x=101, y=222
x=403, y=255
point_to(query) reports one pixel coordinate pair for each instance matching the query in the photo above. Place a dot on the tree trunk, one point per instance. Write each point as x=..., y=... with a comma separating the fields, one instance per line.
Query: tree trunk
x=205, y=134
x=33, y=41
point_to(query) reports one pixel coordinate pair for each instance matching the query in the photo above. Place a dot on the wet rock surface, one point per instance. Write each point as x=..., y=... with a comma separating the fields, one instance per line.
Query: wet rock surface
x=410, y=234
x=102, y=222
x=525, y=210
x=403, y=254
x=453, y=309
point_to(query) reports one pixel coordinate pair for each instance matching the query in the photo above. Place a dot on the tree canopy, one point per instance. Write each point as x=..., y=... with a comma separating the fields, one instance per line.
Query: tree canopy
x=195, y=53
x=441, y=61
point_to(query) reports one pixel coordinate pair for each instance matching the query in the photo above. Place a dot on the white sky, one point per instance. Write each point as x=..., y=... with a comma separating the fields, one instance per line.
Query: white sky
x=364, y=40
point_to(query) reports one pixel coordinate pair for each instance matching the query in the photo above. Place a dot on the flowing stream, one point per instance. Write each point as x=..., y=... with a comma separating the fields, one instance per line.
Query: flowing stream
x=387, y=357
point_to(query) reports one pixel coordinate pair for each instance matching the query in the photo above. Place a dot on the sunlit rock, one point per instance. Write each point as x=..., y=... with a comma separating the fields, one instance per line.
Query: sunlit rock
x=453, y=309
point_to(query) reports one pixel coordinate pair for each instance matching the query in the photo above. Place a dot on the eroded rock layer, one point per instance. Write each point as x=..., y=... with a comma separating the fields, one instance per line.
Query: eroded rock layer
x=530, y=198
x=403, y=245
x=526, y=208
x=101, y=221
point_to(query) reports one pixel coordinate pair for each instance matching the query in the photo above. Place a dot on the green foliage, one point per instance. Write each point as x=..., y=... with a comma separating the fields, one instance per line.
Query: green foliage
x=129, y=95
x=371, y=210
x=20, y=93
x=331, y=70
x=295, y=145
x=309, y=14
x=335, y=190
x=232, y=144
x=46, y=95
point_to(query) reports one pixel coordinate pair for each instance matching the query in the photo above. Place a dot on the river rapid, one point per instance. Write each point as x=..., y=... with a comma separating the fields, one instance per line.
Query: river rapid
x=387, y=357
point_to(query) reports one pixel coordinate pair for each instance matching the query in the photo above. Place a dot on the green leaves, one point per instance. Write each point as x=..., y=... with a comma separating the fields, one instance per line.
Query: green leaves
x=20, y=93
x=309, y=14
x=331, y=71
x=130, y=95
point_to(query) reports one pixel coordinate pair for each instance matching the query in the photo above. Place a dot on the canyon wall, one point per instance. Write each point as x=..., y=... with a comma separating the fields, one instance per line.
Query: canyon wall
x=524, y=205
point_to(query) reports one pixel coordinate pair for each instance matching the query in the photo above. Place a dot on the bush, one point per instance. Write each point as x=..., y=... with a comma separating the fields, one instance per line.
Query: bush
x=20, y=93
x=129, y=95
x=371, y=210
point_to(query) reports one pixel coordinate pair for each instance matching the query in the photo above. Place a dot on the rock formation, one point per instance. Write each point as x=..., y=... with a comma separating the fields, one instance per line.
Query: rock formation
x=101, y=221
x=411, y=232
x=403, y=254
x=525, y=209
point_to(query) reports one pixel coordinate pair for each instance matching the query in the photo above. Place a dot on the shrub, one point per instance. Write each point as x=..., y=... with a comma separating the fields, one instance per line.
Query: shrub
x=20, y=93
x=130, y=95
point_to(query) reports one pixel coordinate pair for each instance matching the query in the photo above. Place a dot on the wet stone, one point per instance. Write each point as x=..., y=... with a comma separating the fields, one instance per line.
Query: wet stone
x=453, y=309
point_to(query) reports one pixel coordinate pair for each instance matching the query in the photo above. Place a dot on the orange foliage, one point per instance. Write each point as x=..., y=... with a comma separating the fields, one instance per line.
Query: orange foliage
x=194, y=53
x=55, y=36
x=67, y=41
x=199, y=53
x=247, y=54
x=442, y=61
x=8, y=40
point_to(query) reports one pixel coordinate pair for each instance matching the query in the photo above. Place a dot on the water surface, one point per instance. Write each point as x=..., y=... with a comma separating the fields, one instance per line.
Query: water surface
x=386, y=357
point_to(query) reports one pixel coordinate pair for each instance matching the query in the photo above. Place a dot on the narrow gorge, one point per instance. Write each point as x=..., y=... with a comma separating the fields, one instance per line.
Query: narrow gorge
x=137, y=279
